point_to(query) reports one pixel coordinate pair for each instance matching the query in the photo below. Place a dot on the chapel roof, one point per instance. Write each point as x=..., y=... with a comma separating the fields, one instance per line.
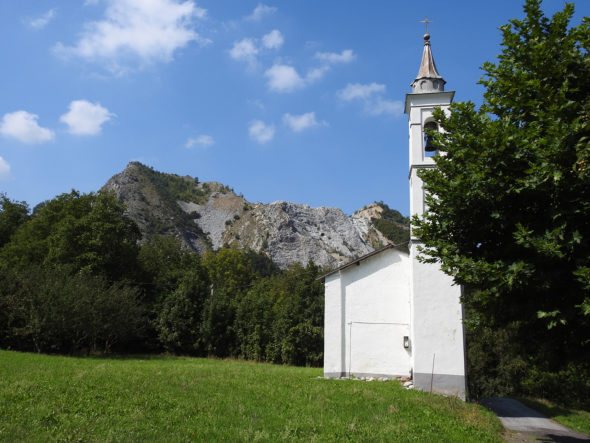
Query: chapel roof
x=360, y=259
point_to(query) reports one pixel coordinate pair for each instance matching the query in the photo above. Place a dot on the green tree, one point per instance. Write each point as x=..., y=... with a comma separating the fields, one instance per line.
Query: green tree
x=171, y=293
x=508, y=203
x=231, y=274
x=255, y=318
x=49, y=309
x=12, y=215
x=164, y=263
x=88, y=232
x=297, y=333
x=281, y=318
x=180, y=316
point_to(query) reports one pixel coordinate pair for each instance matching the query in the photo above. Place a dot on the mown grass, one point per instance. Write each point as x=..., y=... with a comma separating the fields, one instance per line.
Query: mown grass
x=574, y=419
x=46, y=398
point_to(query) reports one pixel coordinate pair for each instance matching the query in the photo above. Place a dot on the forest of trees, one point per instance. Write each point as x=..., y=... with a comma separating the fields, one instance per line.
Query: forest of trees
x=75, y=280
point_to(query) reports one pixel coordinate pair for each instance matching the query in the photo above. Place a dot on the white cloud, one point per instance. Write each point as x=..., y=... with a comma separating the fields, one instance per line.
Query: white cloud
x=346, y=56
x=23, y=127
x=354, y=91
x=42, y=21
x=248, y=49
x=138, y=29
x=283, y=78
x=371, y=95
x=202, y=140
x=244, y=50
x=298, y=123
x=4, y=169
x=273, y=40
x=381, y=106
x=316, y=73
x=261, y=132
x=85, y=118
x=260, y=12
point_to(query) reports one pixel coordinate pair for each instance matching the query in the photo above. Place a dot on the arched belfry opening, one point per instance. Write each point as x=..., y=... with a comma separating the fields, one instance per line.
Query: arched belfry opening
x=429, y=148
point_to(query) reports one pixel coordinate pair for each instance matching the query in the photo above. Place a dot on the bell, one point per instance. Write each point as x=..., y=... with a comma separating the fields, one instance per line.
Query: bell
x=428, y=145
x=429, y=139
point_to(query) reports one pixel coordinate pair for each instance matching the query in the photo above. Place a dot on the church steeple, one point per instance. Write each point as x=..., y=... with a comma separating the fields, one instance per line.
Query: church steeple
x=428, y=79
x=436, y=319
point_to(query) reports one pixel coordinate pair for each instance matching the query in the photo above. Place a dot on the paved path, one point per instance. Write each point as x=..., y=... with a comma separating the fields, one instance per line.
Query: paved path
x=528, y=425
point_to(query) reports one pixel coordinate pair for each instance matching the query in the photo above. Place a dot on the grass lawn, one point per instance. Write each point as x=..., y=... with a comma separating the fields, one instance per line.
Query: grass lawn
x=574, y=419
x=178, y=399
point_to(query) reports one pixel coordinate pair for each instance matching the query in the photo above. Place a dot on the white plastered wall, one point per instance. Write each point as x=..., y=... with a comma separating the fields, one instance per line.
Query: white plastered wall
x=437, y=330
x=372, y=300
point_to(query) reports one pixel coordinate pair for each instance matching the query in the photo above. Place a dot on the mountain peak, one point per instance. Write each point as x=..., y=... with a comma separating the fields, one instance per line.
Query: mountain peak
x=209, y=215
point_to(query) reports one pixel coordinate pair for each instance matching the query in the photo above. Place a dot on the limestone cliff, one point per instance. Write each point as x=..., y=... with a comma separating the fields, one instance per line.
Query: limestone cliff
x=210, y=215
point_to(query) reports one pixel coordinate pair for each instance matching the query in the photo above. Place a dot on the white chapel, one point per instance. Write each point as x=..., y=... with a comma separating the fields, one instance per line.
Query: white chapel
x=387, y=314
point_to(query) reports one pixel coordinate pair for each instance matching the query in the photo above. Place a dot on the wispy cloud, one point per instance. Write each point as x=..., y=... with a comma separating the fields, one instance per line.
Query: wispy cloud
x=23, y=126
x=371, y=95
x=261, y=132
x=85, y=118
x=354, y=91
x=244, y=50
x=137, y=30
x=299, y=123
x=43, y=20
x=381, y=106
x=346, y=56
x=203, y=141
x=316, y=74
x=260, y=12
x=248, y=49
x=4, y=170
x=273, y=40
x=283, y=78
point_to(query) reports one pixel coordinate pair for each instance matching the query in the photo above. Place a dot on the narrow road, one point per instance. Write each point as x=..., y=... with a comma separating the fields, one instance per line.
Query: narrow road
x=527, y=425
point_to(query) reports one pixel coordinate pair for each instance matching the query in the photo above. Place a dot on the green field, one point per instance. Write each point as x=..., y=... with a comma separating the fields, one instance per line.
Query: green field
x=180, y=399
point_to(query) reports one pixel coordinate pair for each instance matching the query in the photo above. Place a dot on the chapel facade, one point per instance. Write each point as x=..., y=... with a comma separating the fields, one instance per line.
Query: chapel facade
x=387, y=314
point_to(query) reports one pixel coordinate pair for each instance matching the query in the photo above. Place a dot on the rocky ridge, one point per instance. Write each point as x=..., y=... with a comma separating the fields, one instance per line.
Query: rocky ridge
x=210, y=216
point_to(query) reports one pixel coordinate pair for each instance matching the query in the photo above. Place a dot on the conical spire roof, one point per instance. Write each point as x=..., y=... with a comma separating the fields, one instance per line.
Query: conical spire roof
x=428, y=79
x=427, y=67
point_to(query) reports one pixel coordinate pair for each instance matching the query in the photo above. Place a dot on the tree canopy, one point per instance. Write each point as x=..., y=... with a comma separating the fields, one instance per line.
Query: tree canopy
x=508, y=203
x=88, y=232
x=12, y=215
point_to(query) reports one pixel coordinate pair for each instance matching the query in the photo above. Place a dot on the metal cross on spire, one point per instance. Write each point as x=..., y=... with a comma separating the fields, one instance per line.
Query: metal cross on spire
x=426, y=21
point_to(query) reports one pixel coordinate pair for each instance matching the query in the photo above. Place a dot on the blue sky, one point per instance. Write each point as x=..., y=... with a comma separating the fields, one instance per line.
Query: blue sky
x=281, y=100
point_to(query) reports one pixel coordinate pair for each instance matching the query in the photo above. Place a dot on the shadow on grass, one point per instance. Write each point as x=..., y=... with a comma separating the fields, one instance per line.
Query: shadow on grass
x=578, y=420
x=550, y=411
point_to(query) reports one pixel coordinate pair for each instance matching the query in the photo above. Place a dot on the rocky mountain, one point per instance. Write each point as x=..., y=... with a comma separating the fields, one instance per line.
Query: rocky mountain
x=210, y=216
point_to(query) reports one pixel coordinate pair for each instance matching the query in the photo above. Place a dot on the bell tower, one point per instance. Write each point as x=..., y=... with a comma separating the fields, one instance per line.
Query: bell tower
x=437, y=335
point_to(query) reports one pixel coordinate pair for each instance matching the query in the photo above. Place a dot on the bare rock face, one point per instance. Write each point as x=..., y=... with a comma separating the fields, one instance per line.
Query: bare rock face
x=150, y=204
x=295, y=233
x=363, y=221
x=215, y=215
x=209, y=215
